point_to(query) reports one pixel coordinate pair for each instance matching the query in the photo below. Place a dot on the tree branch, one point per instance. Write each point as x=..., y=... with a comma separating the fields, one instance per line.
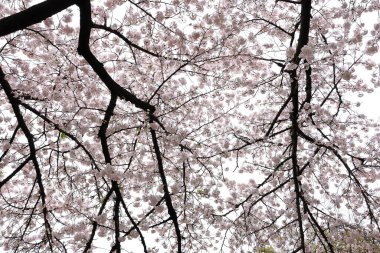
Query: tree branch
x=84, y=50
x=32, y=15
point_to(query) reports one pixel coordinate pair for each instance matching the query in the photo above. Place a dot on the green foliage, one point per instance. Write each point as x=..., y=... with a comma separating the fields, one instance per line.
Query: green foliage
x=62, y=135
x=266, y=249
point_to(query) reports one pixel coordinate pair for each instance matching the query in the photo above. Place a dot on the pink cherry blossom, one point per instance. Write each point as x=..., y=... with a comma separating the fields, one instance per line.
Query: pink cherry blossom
x=189, y=126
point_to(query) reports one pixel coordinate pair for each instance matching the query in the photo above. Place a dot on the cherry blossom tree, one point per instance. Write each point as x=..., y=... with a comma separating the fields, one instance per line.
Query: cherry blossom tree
x=188, y=126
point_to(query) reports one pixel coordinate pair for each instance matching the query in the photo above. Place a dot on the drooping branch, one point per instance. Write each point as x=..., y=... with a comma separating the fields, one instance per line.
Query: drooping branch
x=350, y=172
x=315, y=223
x=32, y=149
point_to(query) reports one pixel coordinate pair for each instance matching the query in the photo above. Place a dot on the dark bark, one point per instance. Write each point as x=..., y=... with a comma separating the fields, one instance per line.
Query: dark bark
x=169, y=204
x=303, y=39
x=33, y=152
x=85, y=51
x=32, y=15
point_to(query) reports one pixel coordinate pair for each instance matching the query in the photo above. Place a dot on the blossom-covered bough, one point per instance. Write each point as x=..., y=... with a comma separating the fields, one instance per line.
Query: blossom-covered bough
x=188, y=126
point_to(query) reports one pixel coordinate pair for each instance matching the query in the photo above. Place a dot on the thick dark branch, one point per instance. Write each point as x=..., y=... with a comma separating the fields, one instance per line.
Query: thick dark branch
x=115, y=187
x=104, y=126
x=308, y=87
x=116, y=218
x=84, y=50
x=32, y=15
x=303, y=39
x=107, y=157
x=171, y=211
